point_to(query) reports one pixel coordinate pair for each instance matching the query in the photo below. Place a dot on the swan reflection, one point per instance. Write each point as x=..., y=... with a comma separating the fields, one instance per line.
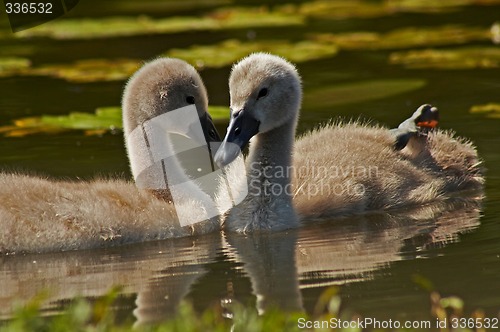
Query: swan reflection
x=337, y=252
x=279, y=265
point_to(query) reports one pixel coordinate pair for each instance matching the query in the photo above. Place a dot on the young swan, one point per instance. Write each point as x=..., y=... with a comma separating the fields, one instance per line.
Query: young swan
x=37, y=214
x=265, y=100
x=337, y=169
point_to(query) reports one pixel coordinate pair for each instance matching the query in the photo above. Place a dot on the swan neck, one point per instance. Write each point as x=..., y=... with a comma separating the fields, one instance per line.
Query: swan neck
x=273, y=151
x=148, y=172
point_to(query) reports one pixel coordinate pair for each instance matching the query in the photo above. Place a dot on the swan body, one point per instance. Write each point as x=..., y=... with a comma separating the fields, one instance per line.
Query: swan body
x=38, y=214
x=361, y=171
x=337, y=169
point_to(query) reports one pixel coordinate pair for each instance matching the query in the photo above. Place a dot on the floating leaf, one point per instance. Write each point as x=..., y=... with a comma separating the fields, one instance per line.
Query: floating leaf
x=495, y=33
x=229, y=18
x=341, y=9
x=462, y=58
x=491, y=110
x=155, y=6
x=407, y=37
x=360, y=91
x=91, y=70
x=104, y=119
x=431, y=6
x=83, y=71
x=218, y=55
x=12, y=65
x=229, y=51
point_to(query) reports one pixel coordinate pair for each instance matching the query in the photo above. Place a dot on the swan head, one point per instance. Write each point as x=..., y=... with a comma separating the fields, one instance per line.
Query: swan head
x=164, y=85
x=265, y=94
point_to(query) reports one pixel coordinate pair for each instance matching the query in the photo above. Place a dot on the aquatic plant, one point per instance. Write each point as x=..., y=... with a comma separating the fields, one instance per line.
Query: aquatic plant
x=119, y=26
x=229, y=51
x=104, y=119
x=82, y=315
x=458, y=58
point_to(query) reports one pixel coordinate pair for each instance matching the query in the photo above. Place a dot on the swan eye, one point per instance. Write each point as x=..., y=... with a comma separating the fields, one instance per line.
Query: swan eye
x=190, y=100
x=262, y=93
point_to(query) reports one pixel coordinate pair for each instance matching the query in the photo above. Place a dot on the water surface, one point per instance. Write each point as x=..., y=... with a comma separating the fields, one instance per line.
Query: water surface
x=372, y=259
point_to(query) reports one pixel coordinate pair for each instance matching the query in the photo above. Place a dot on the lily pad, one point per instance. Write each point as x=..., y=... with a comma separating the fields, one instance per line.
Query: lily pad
x=229, y=18
x=461, y=58
x=218, y=55
x=91, y=70
x=431, y=6
x=229, y=51
x=83, y=71
x=491, y=110
x=13, y=65
x=360, y=91
x=340, y=9
x=407, y=37
x=105, y=119
x=495, y=33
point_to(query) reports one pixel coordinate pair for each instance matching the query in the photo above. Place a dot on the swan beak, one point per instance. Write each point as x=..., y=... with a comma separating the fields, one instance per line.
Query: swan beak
x=242, y=128
x=428, y=116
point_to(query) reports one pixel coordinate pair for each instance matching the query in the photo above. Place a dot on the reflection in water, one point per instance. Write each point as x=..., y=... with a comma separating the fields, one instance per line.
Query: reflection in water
x=269, y=260
x=160, y=273
x=346, y=250
x=356, y=246
x=278, y=264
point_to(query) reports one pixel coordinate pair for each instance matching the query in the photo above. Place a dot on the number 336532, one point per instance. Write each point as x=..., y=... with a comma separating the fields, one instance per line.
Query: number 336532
x=28, y=8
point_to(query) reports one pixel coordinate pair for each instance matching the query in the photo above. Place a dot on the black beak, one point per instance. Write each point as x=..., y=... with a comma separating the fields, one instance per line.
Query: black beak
x=209, y=130
x=211, y=134
x=241, y=128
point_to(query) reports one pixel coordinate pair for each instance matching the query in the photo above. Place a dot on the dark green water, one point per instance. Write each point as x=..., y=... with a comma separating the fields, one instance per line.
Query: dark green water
x=373, y=259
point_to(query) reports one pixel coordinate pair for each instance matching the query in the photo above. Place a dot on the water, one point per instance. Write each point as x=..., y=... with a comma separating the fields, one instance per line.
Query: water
x=372, y=259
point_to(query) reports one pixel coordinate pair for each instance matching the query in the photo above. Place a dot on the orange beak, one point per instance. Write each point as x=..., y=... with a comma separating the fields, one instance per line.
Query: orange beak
x=428, y=124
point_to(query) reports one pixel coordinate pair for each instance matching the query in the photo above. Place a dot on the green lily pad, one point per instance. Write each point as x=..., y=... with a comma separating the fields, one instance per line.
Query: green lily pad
x=229, y=51
x=491, y=110
x=218, y=55
x=91, y=70
x=431, y=6
x=340, y=9
x=360, y=91
x=105, y=119
x=407, y=37
x=229, y=18
x=83, y=71
x=495, y=33
x=461, y=58
x=13, y=65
